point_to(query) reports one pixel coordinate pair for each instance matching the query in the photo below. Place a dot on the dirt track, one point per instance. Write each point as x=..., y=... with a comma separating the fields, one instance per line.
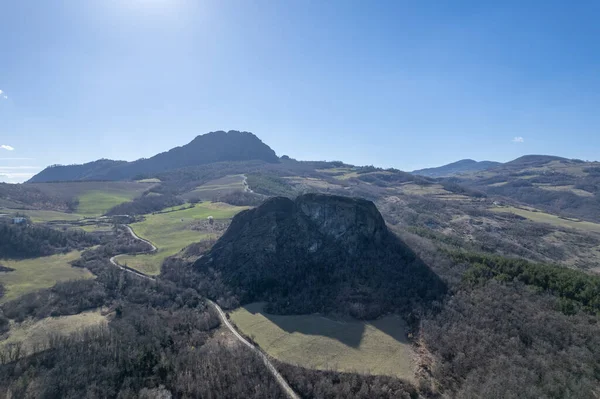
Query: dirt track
x=278, y=377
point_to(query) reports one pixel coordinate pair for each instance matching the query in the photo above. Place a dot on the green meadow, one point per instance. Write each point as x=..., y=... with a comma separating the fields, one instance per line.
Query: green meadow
x=96, y=202
x=377, y=347
x=542, y=217
x=172, y=231
x=34, y=274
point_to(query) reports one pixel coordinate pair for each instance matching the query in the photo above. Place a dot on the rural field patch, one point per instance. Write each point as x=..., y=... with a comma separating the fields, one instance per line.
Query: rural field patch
x=377, y=347
x=39, y=216
x=212, y=190
x=172, y=231
x=96, y=202
x=95, y=198
x=542, y=217
x=32, y=333
x=568, y=188
x=34, y=274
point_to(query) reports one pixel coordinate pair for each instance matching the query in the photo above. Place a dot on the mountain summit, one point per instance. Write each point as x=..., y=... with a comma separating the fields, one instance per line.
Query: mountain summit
x=320, y=253
x=212, y=147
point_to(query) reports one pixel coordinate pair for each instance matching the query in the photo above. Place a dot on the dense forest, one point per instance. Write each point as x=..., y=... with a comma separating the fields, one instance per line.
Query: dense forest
x=145, y=204
x=23, y=196
x=503, y=340
x=19, y=241
x=160, y=339
x=316, y=384
x=512, y=329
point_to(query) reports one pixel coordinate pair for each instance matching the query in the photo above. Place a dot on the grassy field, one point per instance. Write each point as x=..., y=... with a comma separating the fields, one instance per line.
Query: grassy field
x=97, y=202
x=542, y=217
x=34, y=274
x=340, y=173
x=569, y=188
x=38, y=216
x=172, y=231
x=379, y=347
x=95, y=198
x=93, y=228
x=32, y=332
x=215, y=188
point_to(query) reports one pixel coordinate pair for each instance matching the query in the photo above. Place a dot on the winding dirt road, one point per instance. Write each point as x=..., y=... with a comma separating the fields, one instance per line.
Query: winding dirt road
x=278, y=377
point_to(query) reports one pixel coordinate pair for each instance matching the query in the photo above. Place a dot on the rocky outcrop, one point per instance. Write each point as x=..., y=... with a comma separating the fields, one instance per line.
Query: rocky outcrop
x=320, y=253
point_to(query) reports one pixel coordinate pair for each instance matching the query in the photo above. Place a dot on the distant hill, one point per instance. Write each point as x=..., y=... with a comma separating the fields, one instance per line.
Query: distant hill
x=208, y=148
x=568, y=187
x=320, y=253
x=528, y=161
x=455, y=168
x=86, y=171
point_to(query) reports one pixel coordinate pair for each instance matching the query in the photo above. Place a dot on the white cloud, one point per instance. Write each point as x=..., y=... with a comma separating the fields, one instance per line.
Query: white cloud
x=8, y=177
x=6, y=97
x=6, y=147
x=3, y=95
x=17, y=174
x=518, y=139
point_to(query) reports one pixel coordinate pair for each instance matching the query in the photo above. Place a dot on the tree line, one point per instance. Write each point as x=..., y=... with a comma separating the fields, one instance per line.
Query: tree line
x=18, y=241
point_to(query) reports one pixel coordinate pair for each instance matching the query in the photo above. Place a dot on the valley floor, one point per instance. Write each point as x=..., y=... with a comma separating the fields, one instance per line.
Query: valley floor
x=379, y=347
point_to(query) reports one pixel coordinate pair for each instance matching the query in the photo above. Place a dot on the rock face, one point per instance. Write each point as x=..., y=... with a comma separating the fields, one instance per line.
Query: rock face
x=320, y=253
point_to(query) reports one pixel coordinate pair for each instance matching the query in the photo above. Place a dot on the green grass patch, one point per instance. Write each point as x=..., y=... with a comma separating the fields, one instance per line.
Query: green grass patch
x=94, y=203
x=34, y=274
x=35, y=333
x=172, y=231
x=39, y=216
x=93, y=228
x=542, y=217
x=378, y=347
x=212, y=190
x=95, y=198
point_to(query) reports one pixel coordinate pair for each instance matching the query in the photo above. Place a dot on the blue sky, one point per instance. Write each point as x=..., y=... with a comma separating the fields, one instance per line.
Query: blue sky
x=406, y=84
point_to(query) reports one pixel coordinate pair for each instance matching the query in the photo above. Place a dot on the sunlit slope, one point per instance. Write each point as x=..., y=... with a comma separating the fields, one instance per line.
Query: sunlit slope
x=174, y=230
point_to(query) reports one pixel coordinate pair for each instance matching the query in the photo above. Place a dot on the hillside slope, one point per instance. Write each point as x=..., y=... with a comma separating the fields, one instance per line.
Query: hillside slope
x=320, y=253
x=455, y=168
x=208, y=148
x=567, y=187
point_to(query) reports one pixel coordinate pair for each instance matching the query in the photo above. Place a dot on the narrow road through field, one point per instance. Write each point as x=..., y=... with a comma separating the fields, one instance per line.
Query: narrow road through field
x=278, y=377
x=154, y=249
x=282, y=382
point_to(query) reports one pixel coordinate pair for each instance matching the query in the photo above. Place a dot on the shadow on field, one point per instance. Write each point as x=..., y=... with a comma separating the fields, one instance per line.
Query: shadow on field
x=350, y=333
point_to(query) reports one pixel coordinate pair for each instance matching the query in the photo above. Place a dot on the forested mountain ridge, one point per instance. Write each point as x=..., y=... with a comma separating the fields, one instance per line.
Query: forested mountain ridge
x=212, y=147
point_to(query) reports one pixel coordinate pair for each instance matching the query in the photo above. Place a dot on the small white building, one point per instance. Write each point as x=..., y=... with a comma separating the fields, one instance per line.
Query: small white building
x=19, y=220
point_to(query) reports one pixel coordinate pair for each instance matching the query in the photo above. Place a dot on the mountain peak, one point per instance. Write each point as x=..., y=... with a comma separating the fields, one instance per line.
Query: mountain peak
x=218, y=146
